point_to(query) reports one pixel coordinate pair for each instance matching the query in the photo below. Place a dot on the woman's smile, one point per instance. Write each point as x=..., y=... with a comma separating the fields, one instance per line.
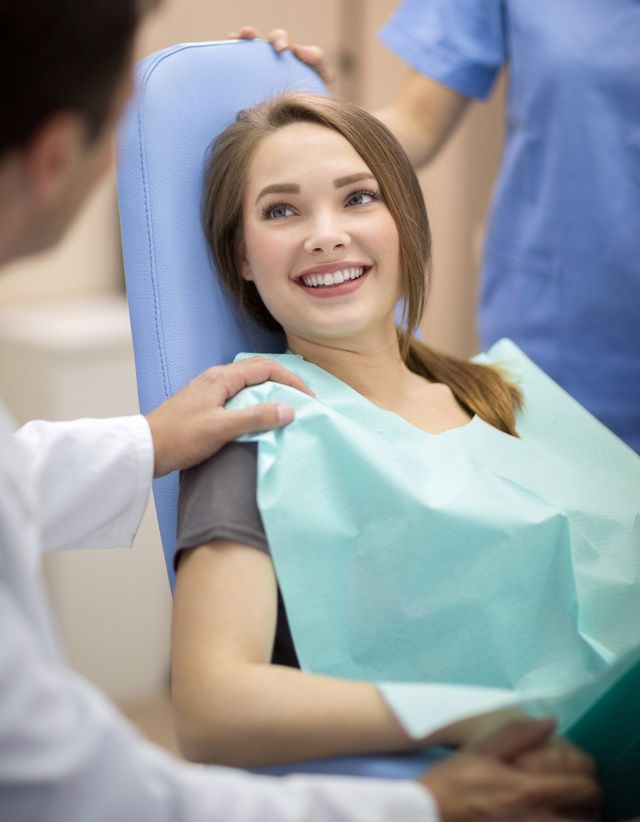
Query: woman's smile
x=333, y=280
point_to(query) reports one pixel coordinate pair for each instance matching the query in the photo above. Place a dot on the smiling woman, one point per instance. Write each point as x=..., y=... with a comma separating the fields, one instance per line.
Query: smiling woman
x=352, y=204
x=318, y=227
x=399, y=529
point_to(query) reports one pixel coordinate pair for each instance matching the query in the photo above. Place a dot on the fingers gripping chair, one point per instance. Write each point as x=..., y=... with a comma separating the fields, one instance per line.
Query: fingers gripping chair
x=182, y=320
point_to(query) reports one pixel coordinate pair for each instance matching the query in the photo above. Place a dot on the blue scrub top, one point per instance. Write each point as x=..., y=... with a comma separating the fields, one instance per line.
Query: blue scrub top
x=561, y=272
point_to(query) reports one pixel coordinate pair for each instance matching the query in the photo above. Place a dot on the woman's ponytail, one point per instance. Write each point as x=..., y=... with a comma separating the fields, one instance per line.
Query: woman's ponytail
x=480, y=389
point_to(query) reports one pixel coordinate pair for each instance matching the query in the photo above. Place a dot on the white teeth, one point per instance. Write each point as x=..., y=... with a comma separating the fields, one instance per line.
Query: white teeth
x=332, y=278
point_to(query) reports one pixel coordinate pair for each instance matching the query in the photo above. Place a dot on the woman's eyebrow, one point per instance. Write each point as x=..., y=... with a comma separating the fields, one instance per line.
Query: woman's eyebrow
x=279, y=188
x=294, y=188
x=353, y=178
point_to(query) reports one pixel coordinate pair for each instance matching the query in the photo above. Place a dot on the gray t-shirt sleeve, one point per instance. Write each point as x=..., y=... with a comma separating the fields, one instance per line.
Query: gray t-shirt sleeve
x=218, y=500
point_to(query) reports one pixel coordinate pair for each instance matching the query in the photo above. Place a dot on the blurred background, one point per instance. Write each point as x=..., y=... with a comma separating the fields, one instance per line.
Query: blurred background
x=65, y=349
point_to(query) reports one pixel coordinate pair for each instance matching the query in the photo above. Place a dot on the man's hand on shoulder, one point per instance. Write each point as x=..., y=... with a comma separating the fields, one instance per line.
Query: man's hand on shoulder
x=193, y=424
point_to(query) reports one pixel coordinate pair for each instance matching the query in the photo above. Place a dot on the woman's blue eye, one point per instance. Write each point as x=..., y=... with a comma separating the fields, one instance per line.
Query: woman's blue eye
x=277, y=211
x=362, y=198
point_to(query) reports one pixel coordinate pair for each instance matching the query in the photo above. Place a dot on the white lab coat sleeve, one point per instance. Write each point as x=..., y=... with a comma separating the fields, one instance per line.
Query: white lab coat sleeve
x=67, y=756
x=90, y=479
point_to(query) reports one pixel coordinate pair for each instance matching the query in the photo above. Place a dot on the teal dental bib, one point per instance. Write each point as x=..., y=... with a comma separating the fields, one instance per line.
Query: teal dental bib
x=488, y=567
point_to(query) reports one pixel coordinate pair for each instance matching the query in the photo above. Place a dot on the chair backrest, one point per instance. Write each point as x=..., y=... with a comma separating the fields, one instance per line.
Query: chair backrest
x=182, y=320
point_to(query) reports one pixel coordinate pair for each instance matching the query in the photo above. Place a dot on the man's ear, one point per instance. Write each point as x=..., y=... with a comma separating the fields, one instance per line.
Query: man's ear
x=50, y=158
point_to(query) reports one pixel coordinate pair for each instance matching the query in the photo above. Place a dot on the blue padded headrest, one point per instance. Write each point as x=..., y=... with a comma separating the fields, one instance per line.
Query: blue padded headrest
x=181, y=318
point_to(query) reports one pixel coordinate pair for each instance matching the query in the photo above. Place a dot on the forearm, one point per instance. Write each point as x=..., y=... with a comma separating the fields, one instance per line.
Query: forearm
x=422, y=116
x=253, y=715
x=420, y=146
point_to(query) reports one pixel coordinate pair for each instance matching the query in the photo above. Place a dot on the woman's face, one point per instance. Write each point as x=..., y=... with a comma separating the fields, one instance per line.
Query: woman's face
x=319, y=243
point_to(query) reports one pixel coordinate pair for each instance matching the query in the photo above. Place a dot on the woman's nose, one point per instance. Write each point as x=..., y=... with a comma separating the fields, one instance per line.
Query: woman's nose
x=327, y=239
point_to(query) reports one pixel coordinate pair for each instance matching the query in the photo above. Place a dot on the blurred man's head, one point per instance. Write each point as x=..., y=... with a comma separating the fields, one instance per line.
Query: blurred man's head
x=64, y=80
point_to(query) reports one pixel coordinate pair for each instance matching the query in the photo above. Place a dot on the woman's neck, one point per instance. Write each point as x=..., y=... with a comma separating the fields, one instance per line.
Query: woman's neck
x=372, y=366
x=375, y=369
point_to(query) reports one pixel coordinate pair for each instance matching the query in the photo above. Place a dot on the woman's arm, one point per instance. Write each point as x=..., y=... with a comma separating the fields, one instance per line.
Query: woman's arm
x=422, y=116
x=231, y=705
x=227, y=695
x=234, y=708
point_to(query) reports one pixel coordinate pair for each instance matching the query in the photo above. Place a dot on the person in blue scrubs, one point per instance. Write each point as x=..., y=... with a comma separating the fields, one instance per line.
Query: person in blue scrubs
x=561, y=268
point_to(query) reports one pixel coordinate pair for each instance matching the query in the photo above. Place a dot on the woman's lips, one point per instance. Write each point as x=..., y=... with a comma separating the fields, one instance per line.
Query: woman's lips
x=335, y=283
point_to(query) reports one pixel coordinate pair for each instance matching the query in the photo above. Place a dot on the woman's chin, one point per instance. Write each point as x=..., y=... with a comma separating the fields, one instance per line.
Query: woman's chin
x=347, y=335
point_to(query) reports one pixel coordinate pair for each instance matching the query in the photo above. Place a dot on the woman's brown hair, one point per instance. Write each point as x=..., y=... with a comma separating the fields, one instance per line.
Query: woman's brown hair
x=480, y=389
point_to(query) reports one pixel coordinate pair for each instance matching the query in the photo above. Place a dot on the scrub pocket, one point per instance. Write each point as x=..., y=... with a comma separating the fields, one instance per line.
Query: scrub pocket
x=520, y=299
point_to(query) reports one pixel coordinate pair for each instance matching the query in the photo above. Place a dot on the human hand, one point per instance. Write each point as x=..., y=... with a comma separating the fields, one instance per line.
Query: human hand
x=483, y=781
x=193, y=424
x=557, y=755
x=313, y=56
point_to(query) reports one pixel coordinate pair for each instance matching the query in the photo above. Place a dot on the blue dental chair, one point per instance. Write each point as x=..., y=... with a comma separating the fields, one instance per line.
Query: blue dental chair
x=182, y=320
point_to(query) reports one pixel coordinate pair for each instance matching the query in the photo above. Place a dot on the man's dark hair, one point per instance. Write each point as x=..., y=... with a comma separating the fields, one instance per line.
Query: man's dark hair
x=62, y=55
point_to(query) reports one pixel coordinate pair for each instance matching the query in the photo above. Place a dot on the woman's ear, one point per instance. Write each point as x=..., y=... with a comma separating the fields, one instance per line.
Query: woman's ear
x=245, y=270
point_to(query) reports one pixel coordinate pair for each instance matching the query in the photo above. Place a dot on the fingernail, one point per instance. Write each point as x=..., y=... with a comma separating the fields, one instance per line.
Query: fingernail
x=280, y=44
x=285, y=414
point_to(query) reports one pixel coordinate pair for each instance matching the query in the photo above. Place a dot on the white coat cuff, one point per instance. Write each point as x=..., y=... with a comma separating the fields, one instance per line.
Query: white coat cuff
x=142, y=445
